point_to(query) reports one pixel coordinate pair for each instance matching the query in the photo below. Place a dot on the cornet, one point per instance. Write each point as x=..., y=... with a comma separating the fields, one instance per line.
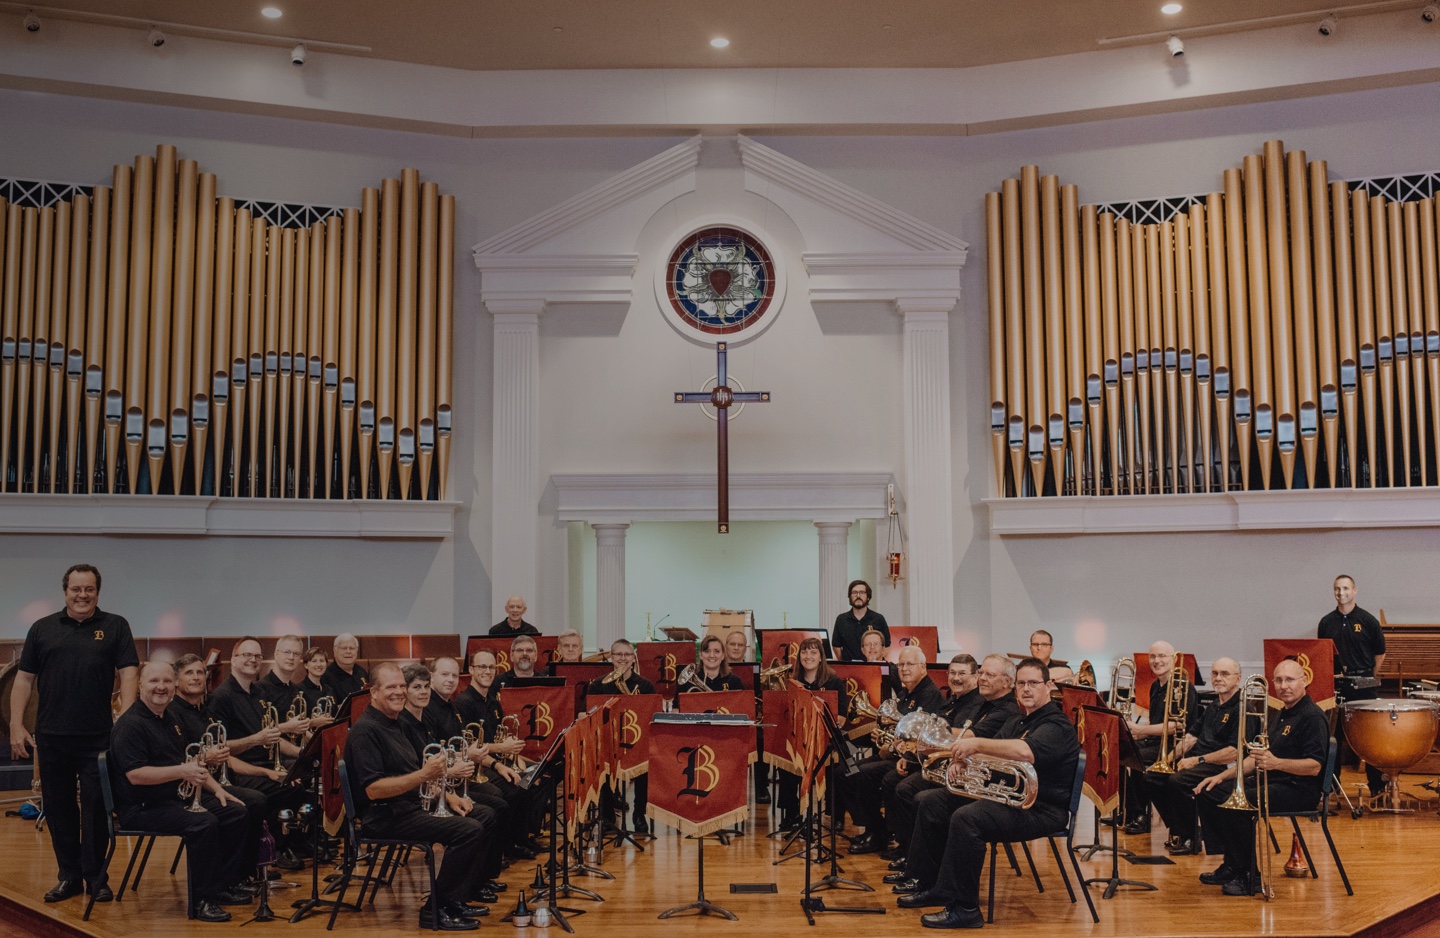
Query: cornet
x=194, y=753
x=216, y=732
x=432, y=790
x=455, y=749
x=1254, y=705
x=474, y=734
x=1122, y=687
x=299, y=709
x=269, y=717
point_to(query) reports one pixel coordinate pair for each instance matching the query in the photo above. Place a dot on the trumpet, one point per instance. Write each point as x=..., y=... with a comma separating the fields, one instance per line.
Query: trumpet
x=1177, y=707
x=1122, y=687
x=775, y=678
x=1254, y=705
x=269, y=717
x=194, y=753
x=324, y=707
x=617, y=677
x=432, y=790
x=991, y=778
x=216, y=733
x=690, y=679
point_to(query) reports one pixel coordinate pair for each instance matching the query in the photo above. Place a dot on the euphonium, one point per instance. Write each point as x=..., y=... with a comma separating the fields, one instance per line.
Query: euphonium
x=988, y=777
x=776, y=678
x=216, y=732
x=269, y=717
x=690, y=677
x=432, y=790
x=921, y=730
x=617, y=677
x=1122, y=695
x=1177, y=707
x=862, y=709
x=1254, y=704
x=195, y=752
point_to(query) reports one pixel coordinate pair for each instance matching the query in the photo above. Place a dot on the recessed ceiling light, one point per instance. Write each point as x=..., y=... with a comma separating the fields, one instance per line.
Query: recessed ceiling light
x=271, y=13
x=1171, y=8
x=719, y=42
x=558, y=29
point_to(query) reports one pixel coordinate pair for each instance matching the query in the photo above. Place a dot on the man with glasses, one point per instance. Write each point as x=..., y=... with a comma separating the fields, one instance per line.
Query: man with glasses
x=480, y=703
x=282, y=683
x=955, y=847
x=523, y=654
x=74, y=655
x=1148, y=735
x=851, y=625
x=1042, y=646
x=345, y=675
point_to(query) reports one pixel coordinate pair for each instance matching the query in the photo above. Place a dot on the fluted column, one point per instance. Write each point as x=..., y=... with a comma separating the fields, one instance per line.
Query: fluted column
x=609, y=583
x=834, y=565
x=515, y=457
x=927, y=461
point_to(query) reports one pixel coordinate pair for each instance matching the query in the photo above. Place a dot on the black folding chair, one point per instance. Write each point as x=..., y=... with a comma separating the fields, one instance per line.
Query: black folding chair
x=1319, y=813
x=1068, y=832
x=116, y=832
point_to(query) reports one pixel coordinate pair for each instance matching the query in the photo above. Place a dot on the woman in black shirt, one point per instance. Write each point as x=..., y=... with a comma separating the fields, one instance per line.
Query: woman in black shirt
x=813, y=673
x=712, y=669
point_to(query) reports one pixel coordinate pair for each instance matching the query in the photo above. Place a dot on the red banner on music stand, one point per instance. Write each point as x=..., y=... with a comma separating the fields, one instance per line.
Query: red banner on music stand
x=358, y=702
x=778, y=706
x=779, y=646
x=500, y=648
x=542, y=711
x=1075, y=696
x=1144, y=677
x=1316, y=657
x=579, y=674
x=926, y=636
x=1099, y=731
x=810, y=738
x=721, y=701
x=632, y=714
x=867, y=679
x=699, y=776
x=660, y=663
x=332, y=750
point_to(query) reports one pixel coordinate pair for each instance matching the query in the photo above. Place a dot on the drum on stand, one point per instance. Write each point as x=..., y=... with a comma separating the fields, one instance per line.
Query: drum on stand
x=1392, y=735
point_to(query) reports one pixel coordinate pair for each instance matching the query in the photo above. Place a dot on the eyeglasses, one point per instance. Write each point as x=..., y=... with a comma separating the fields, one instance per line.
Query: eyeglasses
x=1029, y=683
x=249, y=655
x=482, y=667
x=1042, y=645
x=83, y=590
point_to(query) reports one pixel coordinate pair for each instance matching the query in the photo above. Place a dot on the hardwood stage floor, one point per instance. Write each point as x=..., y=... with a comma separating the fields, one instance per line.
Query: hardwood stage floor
x=1389, y=860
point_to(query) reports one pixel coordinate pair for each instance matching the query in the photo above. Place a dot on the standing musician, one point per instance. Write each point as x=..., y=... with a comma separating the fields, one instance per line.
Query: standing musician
x=624, y=680
x=813, y=673
x=147, y=750
x=345, y=676
x=850, y=626
x=480, y=703
x=385, y=778
x=523, y=653
x=863, y=790
x=1203, y=753
x=514, y=622
x=713, y=670
x=278, y=687
x=916, y=794
x=1359, y=652
x=74, y=654
x=1148, y=735
x=569, y=646
x=1299, y=738
x=1044, y=738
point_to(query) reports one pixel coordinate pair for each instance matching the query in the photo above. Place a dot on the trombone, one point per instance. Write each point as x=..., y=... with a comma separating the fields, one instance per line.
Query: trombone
x=1177, y=708
x=1254, y=704
x=1122, y=687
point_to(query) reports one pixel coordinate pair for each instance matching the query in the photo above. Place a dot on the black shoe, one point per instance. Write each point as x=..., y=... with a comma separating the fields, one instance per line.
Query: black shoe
x=952, y=916
x=289, y=862
x=919, y=900
x=896, y=877
x=642, y=826
x=894, y=853
x=207, y=911
x=485, y=895
x=446, y=921
x=247, y=887
x=865, y=843
x=1182, y=848
x=1138, y=826
x=464, y=910
x=521, y=852
x=496, y=886
x=1243, y=885
x=897, y=866
x=762, y=796
x=232, y=897
x=101, y=892
x=1218, y=877
x=906, y=887
x=64, y=890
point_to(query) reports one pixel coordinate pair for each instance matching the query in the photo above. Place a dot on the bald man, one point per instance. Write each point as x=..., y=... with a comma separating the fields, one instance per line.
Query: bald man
x=1299, y=743
x=1148, y=735
x=514, y=622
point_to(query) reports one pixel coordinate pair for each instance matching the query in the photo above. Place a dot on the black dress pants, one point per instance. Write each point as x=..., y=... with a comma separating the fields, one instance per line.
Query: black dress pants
x=460, y=875
x=212, y=838
x=79, y=829
x=864, y=795
x=1137, y=792
x=256, y=812
x=1174, y=797
x=972, y=829
x=933, y=809
x=1236, y=829
x=900, y=807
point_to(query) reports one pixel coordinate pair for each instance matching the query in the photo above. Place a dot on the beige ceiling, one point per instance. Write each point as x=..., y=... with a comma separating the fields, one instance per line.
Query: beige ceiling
x=564, y=34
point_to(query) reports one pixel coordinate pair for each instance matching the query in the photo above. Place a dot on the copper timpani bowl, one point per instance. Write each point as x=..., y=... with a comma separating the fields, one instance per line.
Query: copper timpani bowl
x=1392, y=735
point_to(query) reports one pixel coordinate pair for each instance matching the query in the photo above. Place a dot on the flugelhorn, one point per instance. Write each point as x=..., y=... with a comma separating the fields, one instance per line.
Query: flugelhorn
x=269, y=717
x=194, y=753
x=324, y=707
x=432, y=790
x=776, y=678
x=216, y=732
x=1177, y=708
x=1122, y=687
x=1254, y=704
x=299, y=709
x=455, y=749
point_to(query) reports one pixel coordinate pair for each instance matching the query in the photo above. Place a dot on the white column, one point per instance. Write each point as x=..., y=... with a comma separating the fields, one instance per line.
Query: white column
x=609, y=583
x=515, y=459
x=927, y=461
x=834, y=567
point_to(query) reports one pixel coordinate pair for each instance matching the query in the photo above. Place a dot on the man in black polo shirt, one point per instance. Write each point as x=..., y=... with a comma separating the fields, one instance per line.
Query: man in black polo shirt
x=849, y=626
x=864, y=790
x=147, y=752
x=1299, y=736
x=281, y=684
x=1042, y=737
x=480, y=703
x=514, y=622
x=1148, y=735
x=345, y=676
x=523, y=654
x=385, y=776
x=1359, y=652
x=74, y=655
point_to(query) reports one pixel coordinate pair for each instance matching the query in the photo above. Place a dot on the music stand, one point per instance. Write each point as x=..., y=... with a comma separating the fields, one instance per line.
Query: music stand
x=551, y=765
x=1129, y=759
x=308, y=767
x=809, y=903
x=1084, y=696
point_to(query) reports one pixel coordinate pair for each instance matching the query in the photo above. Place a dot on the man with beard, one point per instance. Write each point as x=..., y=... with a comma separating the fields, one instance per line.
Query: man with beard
x=851, y=625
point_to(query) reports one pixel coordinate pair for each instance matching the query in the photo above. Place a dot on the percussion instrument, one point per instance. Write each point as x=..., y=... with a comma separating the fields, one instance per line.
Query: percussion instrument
x=1392, y=735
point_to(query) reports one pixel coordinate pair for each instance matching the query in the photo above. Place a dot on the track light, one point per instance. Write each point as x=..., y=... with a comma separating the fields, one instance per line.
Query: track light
x=1431, y=13
x=1176, y=47
x=297, y=55
x=31, y=21
x=155, y=37
x=1327, y=26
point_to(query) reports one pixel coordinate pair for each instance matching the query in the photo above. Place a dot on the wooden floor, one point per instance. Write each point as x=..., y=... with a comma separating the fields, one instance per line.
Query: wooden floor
x=1390, y=860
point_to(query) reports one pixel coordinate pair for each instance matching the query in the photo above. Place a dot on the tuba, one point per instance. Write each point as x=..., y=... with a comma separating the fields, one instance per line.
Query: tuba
x=1254, y=704
x=776, y=678
x=1177, y=706
x=1122, y=687
x=690, y=679
x=991, y=778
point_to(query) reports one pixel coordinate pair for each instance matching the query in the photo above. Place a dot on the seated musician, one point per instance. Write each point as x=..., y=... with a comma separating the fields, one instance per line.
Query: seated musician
x=712, y=669
x=147, y=760
x=278, y=686
x=345, y=675
x=813, y=673
x=954, y=847
x=863, y=791
x=916, y=794
x=385, y=779
x=480, y=704
x=1299, y=738
x=310, y=682
x=1042, y=646
x=569, y=646
x=1148, y=735
x=624, y=680
x=523, y=655
x=737, y=648
x=872, y=646
x=1202, y=754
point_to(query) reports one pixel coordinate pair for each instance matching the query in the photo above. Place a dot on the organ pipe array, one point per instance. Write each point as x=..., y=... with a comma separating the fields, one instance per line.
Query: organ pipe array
x=159, y=339
x=1281, y=333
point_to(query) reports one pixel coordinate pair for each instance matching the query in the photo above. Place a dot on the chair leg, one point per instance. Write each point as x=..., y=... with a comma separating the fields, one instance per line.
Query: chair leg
x=175, y=863
x=1014, y=863
x=90, y=902
x=1064, y=876
x=345, y=872
x=990, y=908
x=144, y=859
x=1039, y=887
x=1305, y=848
x=371, y=878
x=1084, y=887
x=129, y=867
x=1335, y=854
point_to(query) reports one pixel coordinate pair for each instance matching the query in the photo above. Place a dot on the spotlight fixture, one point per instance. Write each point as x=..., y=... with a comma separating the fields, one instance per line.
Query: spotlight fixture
x=271, y=13
x=155, y=37
x=719, y=42
x=1327, y=26
x=1176, y=47
x=1431, y=13
x=1170, y=9
x=297, y=55
x=31, y=22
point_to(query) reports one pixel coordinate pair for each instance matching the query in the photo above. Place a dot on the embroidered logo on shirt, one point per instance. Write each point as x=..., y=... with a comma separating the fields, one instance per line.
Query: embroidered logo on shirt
x=1357, y=626
x=1285, y=732
x=99, y=634
x=1225, y=719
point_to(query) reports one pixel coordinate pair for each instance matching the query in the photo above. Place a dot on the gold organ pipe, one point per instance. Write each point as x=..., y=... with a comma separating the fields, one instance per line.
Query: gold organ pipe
x=162, y=296
x=1014, y=332
x=25, y=334
x=1170, y=460
x=1325, y=349
x=1200, y=307
x=273, y=475
x=318, y=475
x=1125, y=302
x=1384, y=335
x=225, y=222
x=182, y=317
x=1260, y=325
x=1074, y=332
x=426, y=343
x=386, y=327
x=365, y=339
x=1431, y=302
x=114, y=373
x=75, y=335
x=445, y=344
x=1156, y=306
x=240, y=347
x=9, y=335
x=1302, y=295
x=1237, y=273
x=330, y=347
x=94, y=347
x=1282, y=333
x=39, y=350
x=1033, y=300
x=287, y=360
x=1185, y=345
x=349, y=311
x=1094, y=348
x=137, y=349
x=995, y=283
x=1400, y=341
x=1054, y=335
x=1140, y=292
x=301, y=365
x=1109, y=302
x=406, y=327
x=1220, y=331
x=1348, y=373
x=1365, y=327
x=255, y=362
x=1414, y=304
x=59, y=308
x=201, y=338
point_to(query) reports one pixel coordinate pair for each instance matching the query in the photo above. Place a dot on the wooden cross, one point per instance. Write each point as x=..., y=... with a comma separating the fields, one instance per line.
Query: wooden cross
x=721, y=397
